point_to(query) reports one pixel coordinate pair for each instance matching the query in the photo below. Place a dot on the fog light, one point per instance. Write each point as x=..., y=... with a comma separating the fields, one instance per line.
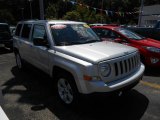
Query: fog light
x=154, y=60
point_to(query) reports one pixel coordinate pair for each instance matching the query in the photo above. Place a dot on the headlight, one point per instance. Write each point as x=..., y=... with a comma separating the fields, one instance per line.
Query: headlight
x=153, y=49
x=105, y=69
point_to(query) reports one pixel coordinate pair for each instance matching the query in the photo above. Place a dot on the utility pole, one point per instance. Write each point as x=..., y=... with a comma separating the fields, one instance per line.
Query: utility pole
x=22, y=9
x=140, y=13
x=30, y=3
x=41, y=6
x=102, y=12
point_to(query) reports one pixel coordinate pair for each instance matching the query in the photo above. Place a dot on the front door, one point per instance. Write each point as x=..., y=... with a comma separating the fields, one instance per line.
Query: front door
x=41, y=56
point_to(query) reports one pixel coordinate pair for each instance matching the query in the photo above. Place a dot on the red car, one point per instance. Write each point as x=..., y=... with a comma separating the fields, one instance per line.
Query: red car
x=149, y=48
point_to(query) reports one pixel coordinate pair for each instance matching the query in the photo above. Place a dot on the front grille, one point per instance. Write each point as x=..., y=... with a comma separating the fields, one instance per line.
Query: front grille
x=125, y=66
x=122, y=66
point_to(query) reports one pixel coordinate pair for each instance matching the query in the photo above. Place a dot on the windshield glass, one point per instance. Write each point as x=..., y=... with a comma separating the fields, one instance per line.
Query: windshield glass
x=4, y=28
x=70, y=34
x=4, y=32
x=129, y=34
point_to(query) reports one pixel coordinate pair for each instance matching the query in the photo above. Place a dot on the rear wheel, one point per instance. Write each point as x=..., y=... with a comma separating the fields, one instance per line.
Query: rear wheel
x=19, y=61
x=11, y=48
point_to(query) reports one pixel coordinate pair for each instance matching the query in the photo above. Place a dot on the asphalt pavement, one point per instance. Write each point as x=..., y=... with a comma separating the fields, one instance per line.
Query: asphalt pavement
x=29, y=95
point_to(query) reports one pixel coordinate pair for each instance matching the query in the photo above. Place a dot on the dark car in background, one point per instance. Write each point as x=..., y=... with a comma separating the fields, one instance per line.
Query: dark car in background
x=150, y=32
x=149, y=48
x=5, y=36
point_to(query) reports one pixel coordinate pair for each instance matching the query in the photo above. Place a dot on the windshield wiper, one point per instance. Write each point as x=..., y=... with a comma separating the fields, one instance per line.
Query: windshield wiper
x=69, y=43
x=77, y=42
x=92, y=41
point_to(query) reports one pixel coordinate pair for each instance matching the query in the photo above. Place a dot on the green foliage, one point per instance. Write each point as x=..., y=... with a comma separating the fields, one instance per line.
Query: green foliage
x=84, y=14
x=60, y=9
x=6, y=16
x=51, y=11
x=73, y=15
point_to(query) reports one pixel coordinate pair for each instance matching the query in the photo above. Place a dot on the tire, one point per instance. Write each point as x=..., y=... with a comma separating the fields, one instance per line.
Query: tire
x=11, y=49
x=67, y=91
x=19, y=61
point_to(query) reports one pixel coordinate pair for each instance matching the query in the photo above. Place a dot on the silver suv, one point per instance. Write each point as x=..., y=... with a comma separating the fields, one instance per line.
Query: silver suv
x=79, y=62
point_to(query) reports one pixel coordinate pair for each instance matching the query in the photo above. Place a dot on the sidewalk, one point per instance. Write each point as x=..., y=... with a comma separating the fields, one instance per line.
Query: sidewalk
x=2, y=113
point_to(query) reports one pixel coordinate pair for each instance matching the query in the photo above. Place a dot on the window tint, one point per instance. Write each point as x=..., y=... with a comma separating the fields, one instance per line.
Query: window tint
x=113, y=35
x=39, y=32
x=26, y=30
x=103, y=33
x=70, y=34
x=18, y=29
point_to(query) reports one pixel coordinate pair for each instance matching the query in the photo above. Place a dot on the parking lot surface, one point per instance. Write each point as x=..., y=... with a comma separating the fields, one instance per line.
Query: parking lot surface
x=29, y=95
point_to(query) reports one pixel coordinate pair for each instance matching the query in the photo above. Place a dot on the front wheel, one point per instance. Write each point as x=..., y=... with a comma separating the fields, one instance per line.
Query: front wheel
x=67, y=91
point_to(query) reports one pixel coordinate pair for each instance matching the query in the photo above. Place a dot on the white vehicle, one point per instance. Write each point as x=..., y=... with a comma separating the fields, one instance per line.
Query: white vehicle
x=3, y=115
x=72, y=54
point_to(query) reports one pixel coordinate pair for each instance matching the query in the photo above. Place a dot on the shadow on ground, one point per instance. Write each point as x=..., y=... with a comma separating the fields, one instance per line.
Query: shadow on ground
x=4, y=50
x=150, y=71
x=39, y=93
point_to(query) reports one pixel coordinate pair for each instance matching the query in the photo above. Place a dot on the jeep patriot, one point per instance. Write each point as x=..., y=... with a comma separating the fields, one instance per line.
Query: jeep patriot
x=77, y=60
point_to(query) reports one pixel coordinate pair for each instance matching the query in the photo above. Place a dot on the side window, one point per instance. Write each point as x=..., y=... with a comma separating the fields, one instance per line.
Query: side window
x=39, y=32
x=103, y=33
x=18, y=29
x=39, y=35
x=26, y=31
x=113, y=35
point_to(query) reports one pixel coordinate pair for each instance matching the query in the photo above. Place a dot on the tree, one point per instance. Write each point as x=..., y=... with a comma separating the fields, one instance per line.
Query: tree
x=51, y=11
x=73, y=15
x=6, y=16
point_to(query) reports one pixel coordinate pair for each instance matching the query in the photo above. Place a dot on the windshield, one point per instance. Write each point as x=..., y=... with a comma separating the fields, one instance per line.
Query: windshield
x=4, y=28
x=129, y=34
x=4, y=32
x=70, y=34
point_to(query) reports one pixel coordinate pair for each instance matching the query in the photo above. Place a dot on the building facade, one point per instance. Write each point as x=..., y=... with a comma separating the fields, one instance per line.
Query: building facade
x=150, y=15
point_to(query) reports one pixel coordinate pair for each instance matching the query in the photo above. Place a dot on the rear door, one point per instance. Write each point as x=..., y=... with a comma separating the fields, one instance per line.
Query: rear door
x=25, y=44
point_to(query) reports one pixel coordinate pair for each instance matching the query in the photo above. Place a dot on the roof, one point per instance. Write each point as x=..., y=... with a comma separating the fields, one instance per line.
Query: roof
x=53, y=21
x=106, y=26
x=3, y=24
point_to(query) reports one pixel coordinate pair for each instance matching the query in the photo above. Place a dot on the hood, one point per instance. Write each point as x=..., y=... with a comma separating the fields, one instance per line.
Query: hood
x=96, y=52
x=150, y=42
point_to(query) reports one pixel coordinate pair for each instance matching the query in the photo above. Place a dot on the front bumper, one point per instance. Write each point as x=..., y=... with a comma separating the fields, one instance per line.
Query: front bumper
x=7, y=43
x=101, y=86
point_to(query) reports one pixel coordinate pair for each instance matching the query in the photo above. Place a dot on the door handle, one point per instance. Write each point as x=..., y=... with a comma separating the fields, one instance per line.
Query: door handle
x=31, y=45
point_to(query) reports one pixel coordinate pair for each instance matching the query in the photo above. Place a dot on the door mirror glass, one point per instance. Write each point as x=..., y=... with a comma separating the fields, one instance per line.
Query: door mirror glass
x=40, y=42
x=39, y=36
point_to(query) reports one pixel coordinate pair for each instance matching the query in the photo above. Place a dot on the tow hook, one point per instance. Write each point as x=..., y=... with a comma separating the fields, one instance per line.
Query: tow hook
x=120, y=93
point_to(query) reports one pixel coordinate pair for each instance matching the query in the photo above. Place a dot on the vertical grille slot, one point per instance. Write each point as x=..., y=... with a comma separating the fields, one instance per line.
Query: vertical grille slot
x=121, y=67
x=125, y=64
x=133, y=65
x=116, y=69
x=129, y=64
x=135, y=58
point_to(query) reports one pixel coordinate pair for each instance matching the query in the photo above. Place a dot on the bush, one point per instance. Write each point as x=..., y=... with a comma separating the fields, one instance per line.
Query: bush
x=73, y=15
x=51, y=11
x=6, y=16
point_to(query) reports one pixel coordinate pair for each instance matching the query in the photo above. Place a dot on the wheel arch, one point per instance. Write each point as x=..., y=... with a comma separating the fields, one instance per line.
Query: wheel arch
x=57, y=70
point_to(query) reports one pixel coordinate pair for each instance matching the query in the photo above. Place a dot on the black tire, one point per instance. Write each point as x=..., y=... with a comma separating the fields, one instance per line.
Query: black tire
x=67, y=90
x=19, y=62
x=11, y=49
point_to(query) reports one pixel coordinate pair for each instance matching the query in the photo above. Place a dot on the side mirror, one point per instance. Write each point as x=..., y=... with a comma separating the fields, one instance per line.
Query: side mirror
x=121, y=40
x=118, y=40
x=40, y=42
x=13, y=32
